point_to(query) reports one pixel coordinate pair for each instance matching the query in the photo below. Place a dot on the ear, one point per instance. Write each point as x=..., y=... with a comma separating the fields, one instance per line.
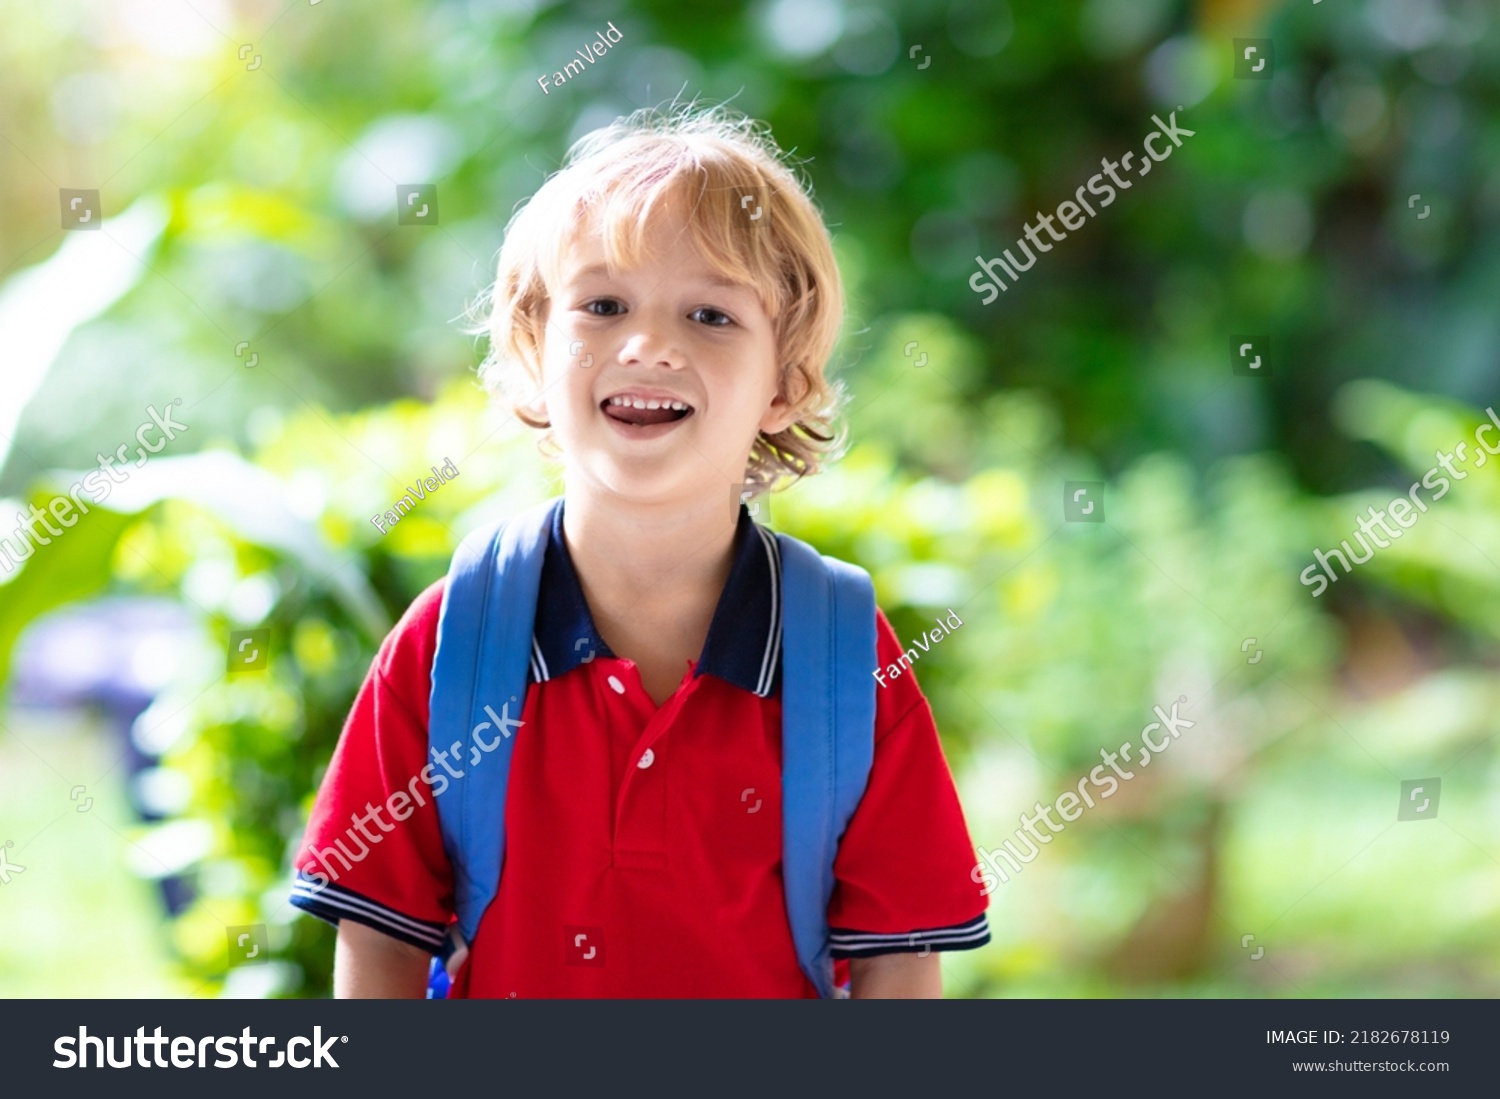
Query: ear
x=532, y=410
x=783, y=412
x=536, y=404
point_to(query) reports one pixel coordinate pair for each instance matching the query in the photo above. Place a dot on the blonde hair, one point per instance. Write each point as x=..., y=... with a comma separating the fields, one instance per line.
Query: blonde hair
x=717, y=163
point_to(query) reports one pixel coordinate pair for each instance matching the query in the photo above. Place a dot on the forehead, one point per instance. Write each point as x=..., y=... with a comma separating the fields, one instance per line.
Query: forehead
x=580, y=270
x=668, y=242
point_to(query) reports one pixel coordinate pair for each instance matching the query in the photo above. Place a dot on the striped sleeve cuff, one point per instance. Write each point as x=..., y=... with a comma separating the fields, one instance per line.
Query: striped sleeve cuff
x=866, y=944
x=334, y=903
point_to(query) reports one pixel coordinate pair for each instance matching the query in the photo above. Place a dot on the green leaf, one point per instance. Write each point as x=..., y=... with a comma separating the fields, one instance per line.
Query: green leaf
x=74, y=565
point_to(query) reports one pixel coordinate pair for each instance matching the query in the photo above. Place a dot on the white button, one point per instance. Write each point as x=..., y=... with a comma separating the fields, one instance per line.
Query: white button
x=647, y=760
x=617, y=685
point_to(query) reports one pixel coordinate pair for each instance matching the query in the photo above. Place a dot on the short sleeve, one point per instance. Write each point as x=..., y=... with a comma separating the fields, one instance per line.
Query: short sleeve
x=373, y=851
x=902, y=874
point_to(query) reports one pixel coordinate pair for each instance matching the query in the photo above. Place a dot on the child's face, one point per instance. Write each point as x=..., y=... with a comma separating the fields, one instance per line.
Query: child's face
x=665, y=333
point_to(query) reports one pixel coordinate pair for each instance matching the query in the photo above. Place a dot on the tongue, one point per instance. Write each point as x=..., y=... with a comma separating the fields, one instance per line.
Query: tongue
x=641, y=417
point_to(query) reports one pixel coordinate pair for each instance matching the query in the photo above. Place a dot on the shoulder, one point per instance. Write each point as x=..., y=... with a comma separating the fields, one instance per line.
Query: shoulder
x=409, y=648
x=898, y=695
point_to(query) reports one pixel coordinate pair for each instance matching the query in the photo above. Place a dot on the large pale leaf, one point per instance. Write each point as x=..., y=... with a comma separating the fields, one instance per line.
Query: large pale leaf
x=74, y=566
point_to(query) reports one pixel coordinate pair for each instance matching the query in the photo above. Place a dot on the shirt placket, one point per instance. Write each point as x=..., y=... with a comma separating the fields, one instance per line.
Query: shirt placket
x=640, y=812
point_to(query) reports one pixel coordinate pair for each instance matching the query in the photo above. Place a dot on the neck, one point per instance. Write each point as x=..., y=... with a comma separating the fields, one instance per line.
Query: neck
x=625, y=551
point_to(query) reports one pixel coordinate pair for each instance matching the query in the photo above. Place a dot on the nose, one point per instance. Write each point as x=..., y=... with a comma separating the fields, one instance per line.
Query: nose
x=647, y=343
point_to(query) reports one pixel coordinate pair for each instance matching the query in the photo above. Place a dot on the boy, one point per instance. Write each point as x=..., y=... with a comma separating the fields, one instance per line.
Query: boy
x=664, y=307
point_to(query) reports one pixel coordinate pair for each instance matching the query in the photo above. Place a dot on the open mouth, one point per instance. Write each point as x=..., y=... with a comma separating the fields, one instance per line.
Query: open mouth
x=645, y=412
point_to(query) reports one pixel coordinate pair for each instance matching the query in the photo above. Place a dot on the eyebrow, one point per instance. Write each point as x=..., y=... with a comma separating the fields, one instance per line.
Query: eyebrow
x=721, y=281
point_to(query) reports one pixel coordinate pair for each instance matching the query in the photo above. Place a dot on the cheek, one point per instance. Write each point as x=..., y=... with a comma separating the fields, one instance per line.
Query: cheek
x=764, y=392
x=562, y=393
x=572, y=391
x=751, y=378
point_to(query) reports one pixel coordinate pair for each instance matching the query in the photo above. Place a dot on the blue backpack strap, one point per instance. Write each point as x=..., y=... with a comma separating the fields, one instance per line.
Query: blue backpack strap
x=483, y=653
x=827, y=733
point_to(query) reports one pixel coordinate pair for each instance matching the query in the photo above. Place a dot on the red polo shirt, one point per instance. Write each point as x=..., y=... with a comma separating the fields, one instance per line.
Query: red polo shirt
x=643, y=845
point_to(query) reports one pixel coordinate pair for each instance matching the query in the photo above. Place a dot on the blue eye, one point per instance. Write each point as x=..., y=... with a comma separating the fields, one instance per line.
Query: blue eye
x=724, y=321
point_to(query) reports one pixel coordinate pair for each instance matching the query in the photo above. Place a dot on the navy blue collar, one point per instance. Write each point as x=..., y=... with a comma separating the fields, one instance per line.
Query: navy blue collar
x=744, y=639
